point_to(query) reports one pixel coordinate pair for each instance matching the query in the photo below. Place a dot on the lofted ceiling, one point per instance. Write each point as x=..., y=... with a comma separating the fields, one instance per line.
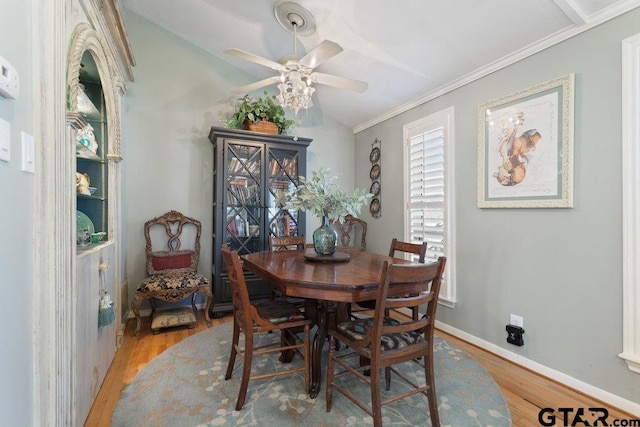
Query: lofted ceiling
x=408, y=51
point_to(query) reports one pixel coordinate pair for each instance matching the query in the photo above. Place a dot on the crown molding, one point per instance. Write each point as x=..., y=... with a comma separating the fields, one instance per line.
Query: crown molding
x=594, y=20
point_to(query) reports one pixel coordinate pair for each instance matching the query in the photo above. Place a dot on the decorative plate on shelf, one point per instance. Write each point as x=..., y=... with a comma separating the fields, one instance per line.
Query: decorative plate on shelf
x=374, y=206
x=375, y=188
x=374, y=156
x=83, y=222
x=374, y=173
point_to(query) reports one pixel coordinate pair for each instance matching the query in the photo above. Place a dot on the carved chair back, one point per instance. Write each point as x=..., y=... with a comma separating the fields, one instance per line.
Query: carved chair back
x=170, y=231
x=352, y=233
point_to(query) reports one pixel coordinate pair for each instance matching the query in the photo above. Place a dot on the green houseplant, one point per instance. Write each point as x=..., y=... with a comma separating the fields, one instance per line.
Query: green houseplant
x=324, y=198
x=256, y=109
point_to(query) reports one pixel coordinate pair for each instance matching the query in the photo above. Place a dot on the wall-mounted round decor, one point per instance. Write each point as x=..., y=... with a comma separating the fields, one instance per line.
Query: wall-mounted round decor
x=376, y=185
x=374, y=206
x=374, y=173
x=375, y=188
x=374, y=156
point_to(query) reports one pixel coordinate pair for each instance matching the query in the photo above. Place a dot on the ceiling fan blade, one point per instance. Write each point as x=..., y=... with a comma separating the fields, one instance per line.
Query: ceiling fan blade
x=257, y=85
x=324, y=51
x=339, y=82
x=255, y=58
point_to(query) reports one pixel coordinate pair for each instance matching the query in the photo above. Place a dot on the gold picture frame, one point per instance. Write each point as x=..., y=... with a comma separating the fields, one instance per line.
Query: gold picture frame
x=525, y=150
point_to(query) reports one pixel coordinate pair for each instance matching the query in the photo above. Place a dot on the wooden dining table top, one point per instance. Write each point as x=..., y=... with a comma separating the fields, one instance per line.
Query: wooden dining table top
x=344, y=281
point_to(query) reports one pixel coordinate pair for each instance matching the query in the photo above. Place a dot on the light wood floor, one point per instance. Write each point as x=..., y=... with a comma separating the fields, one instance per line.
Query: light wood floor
x=525, y=392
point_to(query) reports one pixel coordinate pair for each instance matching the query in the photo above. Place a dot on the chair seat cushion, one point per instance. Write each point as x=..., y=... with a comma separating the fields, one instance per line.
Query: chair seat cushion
x=168, y=281
x=357, y=330
x=279, y=312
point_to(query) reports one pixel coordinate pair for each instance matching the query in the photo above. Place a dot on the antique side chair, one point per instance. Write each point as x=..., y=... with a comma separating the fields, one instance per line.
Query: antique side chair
x=172, y=273
x=352, y=233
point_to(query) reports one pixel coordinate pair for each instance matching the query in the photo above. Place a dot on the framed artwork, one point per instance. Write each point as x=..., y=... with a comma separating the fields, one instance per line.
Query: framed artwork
x=525, y=150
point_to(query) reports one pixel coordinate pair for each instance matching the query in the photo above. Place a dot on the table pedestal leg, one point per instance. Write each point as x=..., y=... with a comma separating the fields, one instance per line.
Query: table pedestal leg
x=326, y=315
x=316, y=350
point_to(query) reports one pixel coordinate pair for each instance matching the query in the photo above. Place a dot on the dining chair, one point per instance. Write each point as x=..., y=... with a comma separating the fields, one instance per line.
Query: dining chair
x=172, y=272
x=419, y=249
x=386, y=341
x=285, y=243
x=352, y=233
x=254, y=319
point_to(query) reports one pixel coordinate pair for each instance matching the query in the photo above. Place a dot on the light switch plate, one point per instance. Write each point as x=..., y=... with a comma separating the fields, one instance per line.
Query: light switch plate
x=5, y=140
x=27, y=153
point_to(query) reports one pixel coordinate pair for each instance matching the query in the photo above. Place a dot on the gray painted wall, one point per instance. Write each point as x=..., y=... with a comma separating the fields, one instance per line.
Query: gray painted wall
x=16, y=219
x=179, y=92
x=559, y=268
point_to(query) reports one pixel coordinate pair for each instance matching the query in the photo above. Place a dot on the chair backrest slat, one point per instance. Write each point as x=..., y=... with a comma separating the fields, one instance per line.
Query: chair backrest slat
x=419, y=249
x=285, y=243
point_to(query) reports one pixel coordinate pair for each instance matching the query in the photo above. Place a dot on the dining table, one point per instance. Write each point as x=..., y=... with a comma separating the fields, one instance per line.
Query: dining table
x=328, y=285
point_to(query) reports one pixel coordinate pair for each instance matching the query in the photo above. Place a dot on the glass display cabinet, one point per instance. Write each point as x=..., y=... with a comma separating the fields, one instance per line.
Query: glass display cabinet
x=250, y=170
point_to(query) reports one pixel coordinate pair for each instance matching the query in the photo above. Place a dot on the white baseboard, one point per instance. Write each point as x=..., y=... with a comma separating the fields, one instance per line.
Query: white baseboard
x=569, y=381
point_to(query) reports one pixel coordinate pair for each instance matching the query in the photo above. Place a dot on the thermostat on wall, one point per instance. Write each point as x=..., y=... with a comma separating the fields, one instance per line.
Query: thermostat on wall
x=9, y=82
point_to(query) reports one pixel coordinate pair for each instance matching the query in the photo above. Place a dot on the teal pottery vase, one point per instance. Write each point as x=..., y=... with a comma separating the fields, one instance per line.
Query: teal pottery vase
x=325, y=238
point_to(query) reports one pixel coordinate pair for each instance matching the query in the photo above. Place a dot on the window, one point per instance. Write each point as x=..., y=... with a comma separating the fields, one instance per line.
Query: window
x=428, y=164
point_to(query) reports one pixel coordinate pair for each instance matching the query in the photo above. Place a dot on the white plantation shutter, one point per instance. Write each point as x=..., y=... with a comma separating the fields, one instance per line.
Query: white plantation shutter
x=426, y=191
x=429, y=191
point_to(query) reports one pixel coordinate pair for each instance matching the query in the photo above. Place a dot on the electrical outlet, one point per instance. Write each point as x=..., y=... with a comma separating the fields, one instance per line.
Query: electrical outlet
x=516, y=320
x=515, y=335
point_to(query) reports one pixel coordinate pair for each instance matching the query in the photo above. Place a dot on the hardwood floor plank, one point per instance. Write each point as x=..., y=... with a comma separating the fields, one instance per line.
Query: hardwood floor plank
x=525, y=391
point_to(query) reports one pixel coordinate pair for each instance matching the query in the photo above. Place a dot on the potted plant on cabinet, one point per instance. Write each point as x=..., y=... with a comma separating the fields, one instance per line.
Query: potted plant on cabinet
x=322, y=196
x=261, y=114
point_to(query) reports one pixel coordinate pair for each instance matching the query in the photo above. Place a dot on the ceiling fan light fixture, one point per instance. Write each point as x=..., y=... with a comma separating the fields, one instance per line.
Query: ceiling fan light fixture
x=296, y=73
x=295, y=92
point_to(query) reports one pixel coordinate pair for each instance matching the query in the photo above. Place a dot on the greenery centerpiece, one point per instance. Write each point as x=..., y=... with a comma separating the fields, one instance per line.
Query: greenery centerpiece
x=322, y=196
x=255, y=110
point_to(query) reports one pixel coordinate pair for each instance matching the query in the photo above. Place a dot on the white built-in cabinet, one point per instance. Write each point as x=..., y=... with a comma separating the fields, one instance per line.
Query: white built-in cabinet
x=96, y=345
x=98, y=65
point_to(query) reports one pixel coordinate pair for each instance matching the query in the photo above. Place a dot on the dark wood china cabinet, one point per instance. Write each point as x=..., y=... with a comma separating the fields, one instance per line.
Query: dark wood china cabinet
x=250, y=170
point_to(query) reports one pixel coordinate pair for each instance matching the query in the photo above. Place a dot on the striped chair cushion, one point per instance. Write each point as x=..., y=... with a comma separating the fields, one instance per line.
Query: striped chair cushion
x=357, y=330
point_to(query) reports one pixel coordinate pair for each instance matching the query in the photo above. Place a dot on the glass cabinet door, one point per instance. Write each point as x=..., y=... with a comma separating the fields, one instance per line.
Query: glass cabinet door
x=243, y=209
x=282, y=178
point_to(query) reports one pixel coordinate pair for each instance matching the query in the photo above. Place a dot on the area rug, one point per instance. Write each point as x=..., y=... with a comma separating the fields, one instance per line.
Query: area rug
x=185, y=386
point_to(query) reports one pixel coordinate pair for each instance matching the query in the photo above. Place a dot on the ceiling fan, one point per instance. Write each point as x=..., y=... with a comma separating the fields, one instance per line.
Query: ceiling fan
x=296, y=73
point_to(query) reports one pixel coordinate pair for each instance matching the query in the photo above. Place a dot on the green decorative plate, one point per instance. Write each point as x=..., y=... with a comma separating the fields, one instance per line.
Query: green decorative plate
x=84, y=223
